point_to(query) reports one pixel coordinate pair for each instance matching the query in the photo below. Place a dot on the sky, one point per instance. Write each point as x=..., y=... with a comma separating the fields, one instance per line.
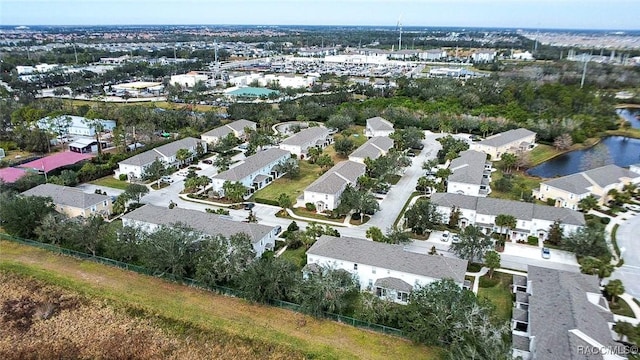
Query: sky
x=532, y=14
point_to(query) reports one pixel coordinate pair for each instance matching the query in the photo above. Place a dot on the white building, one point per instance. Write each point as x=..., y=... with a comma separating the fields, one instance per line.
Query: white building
x=483, y=56
x=325, y=192
x=237, y=128
x=512, y=142
x=386, y=270
x=526, y=56
x=149, y=218
x=74, y=125
x=378, y=126
x=135, y=166
x=23, y=70
x=374, y=148
x=300, y=142
x=255, y=172
x=283, y=81
x=470, y=174
x=188, y=80
x=432, y=55
x=532, y=220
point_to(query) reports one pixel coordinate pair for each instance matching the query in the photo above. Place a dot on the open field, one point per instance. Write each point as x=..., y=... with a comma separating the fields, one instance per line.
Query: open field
x=292, y=187
x=226, y=317
x=499, y=294
x=110, y=181
x=159, y=104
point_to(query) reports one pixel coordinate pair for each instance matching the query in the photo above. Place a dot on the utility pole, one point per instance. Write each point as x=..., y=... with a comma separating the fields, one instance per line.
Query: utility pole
x=584, y=70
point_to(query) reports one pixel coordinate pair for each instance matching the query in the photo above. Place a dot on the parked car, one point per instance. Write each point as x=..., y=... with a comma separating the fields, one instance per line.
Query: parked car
x=207, y=161
x=278, y=229
x=249, y=206
x=546, y=253
x=166, y=179
x=418, y=147
x=411, y=154
x=445, y=236
x=455, y=238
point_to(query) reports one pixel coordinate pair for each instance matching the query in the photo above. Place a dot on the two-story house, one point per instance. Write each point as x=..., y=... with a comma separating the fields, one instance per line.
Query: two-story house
x=512, y=142
x=237, y=128
x=386, y=270
x=569, y=190
x=149, y=218
x=73, y=202
x=531, y=219
x=300, y=142
x=255, y=172
x=374, y=147
x=135, y=166
x=470, y=174
x=325, y=192
x=378, y=126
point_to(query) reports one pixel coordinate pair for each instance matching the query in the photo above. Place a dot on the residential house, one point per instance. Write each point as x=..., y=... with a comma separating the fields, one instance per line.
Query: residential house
x=236, y=128
x=561, y=315
x=377, y=126
x=569, y=190
x=135, y=166
x=325, y=192
x=149, y=218
x=470, y=174
x=74, y=125
x=512, y=142
x=374, y=147
x=386, y=270
x=300, y=142
x=255, y=172
x=73, y=202
x=531, y=219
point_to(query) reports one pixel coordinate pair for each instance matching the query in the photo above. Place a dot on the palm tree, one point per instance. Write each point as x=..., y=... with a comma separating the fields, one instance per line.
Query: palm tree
x=614, y=288
x=595, y=266
x=588, y=203
x=492, y=260
x=508, y=221
x=623, y=328
x=182, y=155
x=508, y=161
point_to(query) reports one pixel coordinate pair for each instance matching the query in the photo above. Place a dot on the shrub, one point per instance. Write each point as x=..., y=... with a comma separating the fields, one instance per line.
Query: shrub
x=310, y=206
x=532, y=240
x=355, y=216
x=605, y=220
x=485, y=282
x=551, y=202
x=266, y=201
x=123, y=177
x=473, y=267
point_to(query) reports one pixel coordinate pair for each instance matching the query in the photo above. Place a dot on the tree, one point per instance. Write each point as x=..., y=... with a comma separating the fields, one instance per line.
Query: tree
x=623, y=328
x=290, y=167
x=221, y=260
x=66, y=178
x=587, y=203
x=169, y=249
x=523, y=160
x=222, y=163
x=492, y=261
x=197, y=182
x=563, y=142
x=395, y=236
x=21, y=215
x=504, y=184
x=135, y=192
x=234, y=191
x=325, y=162
x=614, y=288
x=97, y=125
x=339, y=121
x=327, y=290
x=285, y=201
x=588, y=241
x=422, y=216
x=313, y=153
x=155, y=170
x=555, y=233
x=595, y=266
x=505, y=221
x=425, y=185
x=344, y=146
x=182, y=155
x=454, y=217
x=269, y=279
x=472, y=245
x=360, y=201
x=443, y=175
x=508, y=161
x=409, y=137
x=374, y=233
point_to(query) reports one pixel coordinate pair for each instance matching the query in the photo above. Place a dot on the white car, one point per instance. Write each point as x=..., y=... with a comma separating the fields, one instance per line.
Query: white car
x=445, y=236
x=166, y=179
x=455, y=238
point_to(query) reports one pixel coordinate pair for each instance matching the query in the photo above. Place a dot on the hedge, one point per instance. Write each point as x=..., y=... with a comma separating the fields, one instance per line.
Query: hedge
x=266, y=201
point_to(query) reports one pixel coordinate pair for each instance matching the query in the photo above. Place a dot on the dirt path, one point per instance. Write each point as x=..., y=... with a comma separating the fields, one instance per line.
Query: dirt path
x=318, y=338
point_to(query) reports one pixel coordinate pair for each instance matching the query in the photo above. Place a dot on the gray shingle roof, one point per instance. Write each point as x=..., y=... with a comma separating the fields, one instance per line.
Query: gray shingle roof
x=334, y=180
x=506, y=137
x=379, y=123
x=559, y=304
x=373, y=148
x=468, y=167
x=166, y=150
x=602, y=177
x=252, y=164
x=210, y=224
x=521, y=210
x=520, y=342
x=67, y=196
x=226, y=129
x=393, y=283
x=387, y=256
x=307, y=136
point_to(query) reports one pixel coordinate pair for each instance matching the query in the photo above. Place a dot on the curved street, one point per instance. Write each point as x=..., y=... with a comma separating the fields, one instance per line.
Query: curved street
x=629, y=244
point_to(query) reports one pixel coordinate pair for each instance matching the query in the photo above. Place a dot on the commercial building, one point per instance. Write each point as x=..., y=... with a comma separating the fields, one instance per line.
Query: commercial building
x=470, y=174
x=325, y=192
x=512, y=142
x=75, y=125
x=188, y=80
x=73, y=202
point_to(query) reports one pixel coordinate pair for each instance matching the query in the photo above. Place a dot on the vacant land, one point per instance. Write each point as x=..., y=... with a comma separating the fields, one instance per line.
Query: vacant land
x=292, y=187
x=268, y=330
x=498, y=291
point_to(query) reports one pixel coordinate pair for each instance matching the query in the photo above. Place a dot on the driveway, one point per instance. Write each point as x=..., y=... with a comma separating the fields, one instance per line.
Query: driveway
x=394, y=201
x=629, y=244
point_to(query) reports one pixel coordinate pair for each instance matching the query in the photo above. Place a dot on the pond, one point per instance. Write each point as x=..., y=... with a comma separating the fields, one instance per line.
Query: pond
x=623, y=151
x=630, y=115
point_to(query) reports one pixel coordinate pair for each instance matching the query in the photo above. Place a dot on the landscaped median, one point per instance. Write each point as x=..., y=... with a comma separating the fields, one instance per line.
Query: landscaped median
x=213, y=314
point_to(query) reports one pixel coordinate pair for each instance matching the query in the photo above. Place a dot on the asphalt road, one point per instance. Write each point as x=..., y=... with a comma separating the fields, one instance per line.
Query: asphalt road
x=628, y=238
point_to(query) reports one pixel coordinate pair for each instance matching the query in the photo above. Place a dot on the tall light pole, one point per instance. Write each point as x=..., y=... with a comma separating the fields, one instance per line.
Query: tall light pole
x=584, y=70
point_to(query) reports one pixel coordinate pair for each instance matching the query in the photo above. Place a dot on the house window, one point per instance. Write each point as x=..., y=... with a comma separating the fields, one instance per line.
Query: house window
x=370, y=283
x=402, y=296
x=104, y=203
x=373, y=270
x=355, y=266
x=93, y=208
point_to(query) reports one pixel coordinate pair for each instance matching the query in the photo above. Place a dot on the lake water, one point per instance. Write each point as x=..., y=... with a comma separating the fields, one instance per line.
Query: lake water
x=624, y=152
x=630, y=116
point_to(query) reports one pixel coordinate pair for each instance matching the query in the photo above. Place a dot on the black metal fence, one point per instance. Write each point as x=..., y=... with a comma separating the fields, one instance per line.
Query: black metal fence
x=194, y=283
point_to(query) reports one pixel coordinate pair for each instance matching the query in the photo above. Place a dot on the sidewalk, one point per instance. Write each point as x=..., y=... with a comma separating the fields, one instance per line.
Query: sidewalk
x=345, y=223
x=476, y=278
x=632, y=304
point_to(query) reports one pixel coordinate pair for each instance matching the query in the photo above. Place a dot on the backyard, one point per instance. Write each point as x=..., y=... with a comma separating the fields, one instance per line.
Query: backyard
x=110, y=181
x=521, y=184
x=292, y=187
x=498, y=291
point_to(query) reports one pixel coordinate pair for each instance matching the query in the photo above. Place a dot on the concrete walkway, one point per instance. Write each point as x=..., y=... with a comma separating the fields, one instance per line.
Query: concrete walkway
x=632, y=304
x=345, y=223
x=476, y=278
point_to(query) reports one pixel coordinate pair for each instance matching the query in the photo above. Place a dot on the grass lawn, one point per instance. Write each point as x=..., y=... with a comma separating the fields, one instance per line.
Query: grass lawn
x=297, y=256
x=357, y=137
x=110, y=181
x=406, y=204
x=292, y=187
x=499, y=294
x=621, y=308
x=312, y=214
x=217, y=314
x=522, y=184
x=542, y=153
